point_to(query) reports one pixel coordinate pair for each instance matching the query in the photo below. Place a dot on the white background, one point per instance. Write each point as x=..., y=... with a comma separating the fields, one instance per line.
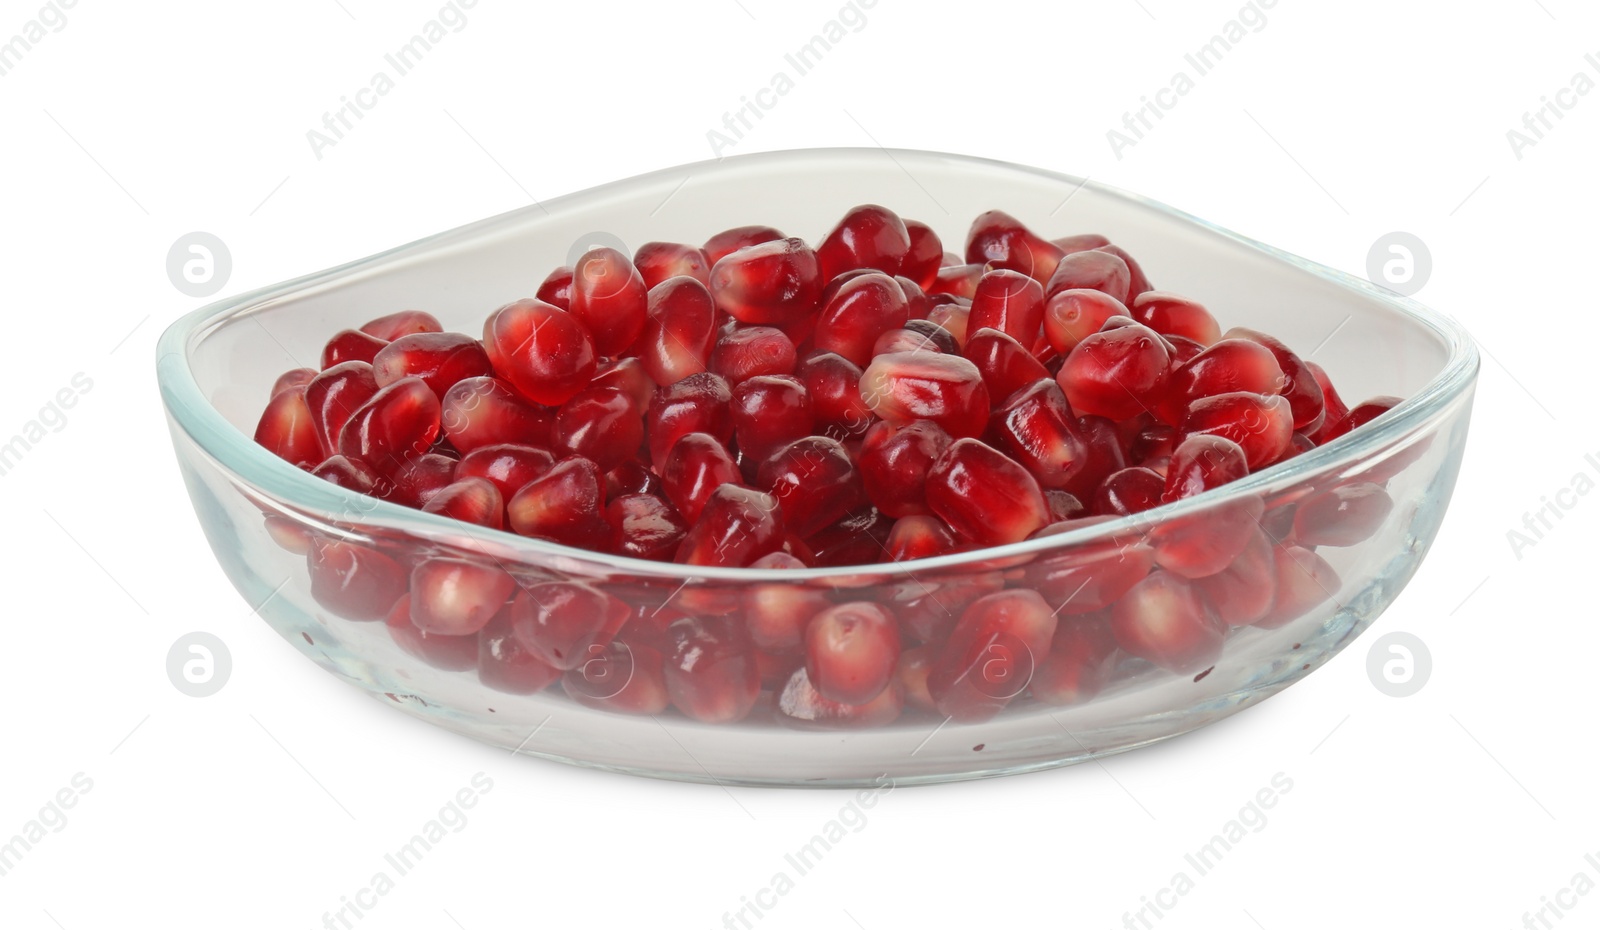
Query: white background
x=1463, y=806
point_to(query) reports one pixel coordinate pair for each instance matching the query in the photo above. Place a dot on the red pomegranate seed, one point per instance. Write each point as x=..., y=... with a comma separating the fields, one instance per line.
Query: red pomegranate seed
x=1164, y=620
x=1360, y=415
x=622, y=677
x=1093, y=270
x=354, y=581
x=984, y=496
x=939, y=338
x=1080, y=663
x=293, y=378
x=1172, y=315
x=542, y=350
x=1009, y=301
x=350, y=474
x=632, y=478
x=644, y=526
x=417, y=480
x=1153, y=446
x=1090, y=576
x=478, y=412
x=507, y=465
x=924, y=255
x=958, y=280
x=894, y=464
x=439, y=359
x=608, y=298
x=928, y=610
x=556, y=289
x=1260, y=424
x=1334, y=407
x=600, y=424
x=751, y=351
x=288, y=430
x=350, y=345
x=1305, y=582
x=1117, y=373
x=864, y=308
x=911, y=675
x=337, y=393
x=1225, y=367
x=711, y=671
x=732, y=240
x=775, y=612
x=1342, y=516
x=450, y=653
x=1103, y=456
x=698, y=404
x=1242, y=593
x=799, y=700
x=904, y=340
x=869, y=236
x=1137, y=282
x=919, y=537
x=851, y=651
x=952, y=317
x=560, y=622
x=999, y=240
x=503, y=663
x=697, y=465
x=946, y=389
x=455, y=597
x=680, y=332
x=1082, y=242
x=814, y=481
x=400, y=421
x=1129, y=491
x=1202, y=462
x=1005, y=365
x=1075, y=314
x=1301, y=387
x=834, y=385
x=769, y=412
x=991, y=654
x=659, y=261
x=563, y=505
x=405, y=323
x=1205, y=543
x=1037, y=428
x=737, y=526
x=470, y=500
x=774, y=283
x=629, y=376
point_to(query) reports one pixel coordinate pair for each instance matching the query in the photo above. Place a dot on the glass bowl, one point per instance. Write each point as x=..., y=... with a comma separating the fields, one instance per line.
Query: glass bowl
x=626, y=707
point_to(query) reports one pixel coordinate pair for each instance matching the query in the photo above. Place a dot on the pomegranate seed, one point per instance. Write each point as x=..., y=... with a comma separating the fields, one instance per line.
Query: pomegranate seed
x=697, y=465
x=1305, y=582
x=1009, y=301
x=417, y=480
x=699, y=403
x=774, y=283
x=335, y=394
x=350, y=345
x=1037, y=428
x=1223, y=368
x=894, y=464
x=288, y=430
x=1342, y=516
x=799, y=700
x=1137, y=282
x=1080, y=663
x=504, y=665
x=602, y=425
x=732, y=240
x=928, y=610
x=1360, y=415
x=1000, y=240
x=737, y=526
x=1103, y=456
x=918, y=303
x=777, y=613
x=834, y=385
x=911, y=675
x=608, y=298
x=680, y=331
x=769, y=412
x=354, y=581
x=621, y=677
x=869, y=236
x=851, y=651
x=991, y=654
x=470, y=500
x=1088, y=577
x=711, y=671
x=632, y=478
x=1206, y=543
x=1006, y=367
x=439, y=359
x=1093, y=270
x=924, y=254
x=478, y=412
x=958, y=280
x=350, y=474
x=659, y=261
x=814, y=482
x=556, y=289
x=1334, y=408
x=1081, y=242
x=644, y=526
x=751, y=351
x=1153, y=446
x=1202, y=462
x=1171, y=315
x=946, y=389
x=455, y=597
x=508, y=466
x=939, y=338
x=1260, y=424
x=1164, y=620
x=1242, y=593
x=1129, y=491
x=1075, y=314
x=405, y=323
x=1300, y=387
x=563, y=505
x=559, y=622
x=919, y=537
x=1116, y=373
x=293, y=378
x=904, y=340
x=864, y=308
x=399, y=421
x=542, y=350
x=984, y=496
x=450, y=653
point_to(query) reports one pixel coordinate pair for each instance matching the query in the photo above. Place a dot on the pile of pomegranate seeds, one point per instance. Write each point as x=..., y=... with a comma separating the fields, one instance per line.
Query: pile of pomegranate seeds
x=757, y=401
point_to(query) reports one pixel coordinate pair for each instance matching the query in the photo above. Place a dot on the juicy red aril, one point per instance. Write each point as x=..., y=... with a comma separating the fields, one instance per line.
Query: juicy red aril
x=439, y=359
x=776, y=613
x=608, y=298
x=478, y=412
x=351, y=345
x=622, y=677
x=1138, y=283
x=629, y=376
x=354, y=581
x=1225, y=367
x=732, y=240
x=751, y=351
x=1093, y=270
x=1360, y=415
x=508, y=465
x=556, y=288
x=335, y=394
x=1305, y=581
x=1202, y=462
x=697, y=404
x=769, y=412
x=894, y=464
x=919, y=537
x=1009, y=301
x=958, y=280
x=600, y=424
x=984, y=496
x=455, y=597
x=542, y=350
x=941, y=339
x=350, y=474
x=1152, y=447
x=505, y=665
x=561, y=622
x=442, y=651
x=868, y=236
x=924, y=254
x=851, y=651
x=1171, y=315
x=814, y=482
x=1242, y=593
x=911, y=674
x=1164, y=620
x=563, y=505
x=288, y=430
x=834, y=385
x=644, y=526
x=1116, y=373
x=1129, y=491
x=470, y=500
x=1104, y=455
x=1082, y=242
x=1090, y=577
x=659, y=261
x=991, y=654
x=1075, y=314
x=398, y=422
x=697, y=465
x=633, y=477
x=1334, y=408
x=1080, y=663
x=1341, y=516
x=711, y=671
x=1202, y=544
x=1260, y=424
x=737, y=526
x=417, y=480
x=952, y=317
x=774, y=283
x=680, y=330
x=1301, y=387
x=1005, y=365
x=864, y=308
x=1037, y=428
x=293, y=378
x=999, y=239
x=946, y=389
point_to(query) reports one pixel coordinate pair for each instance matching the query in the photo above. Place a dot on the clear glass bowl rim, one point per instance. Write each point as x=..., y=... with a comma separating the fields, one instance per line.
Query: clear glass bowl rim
x=251, y=464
